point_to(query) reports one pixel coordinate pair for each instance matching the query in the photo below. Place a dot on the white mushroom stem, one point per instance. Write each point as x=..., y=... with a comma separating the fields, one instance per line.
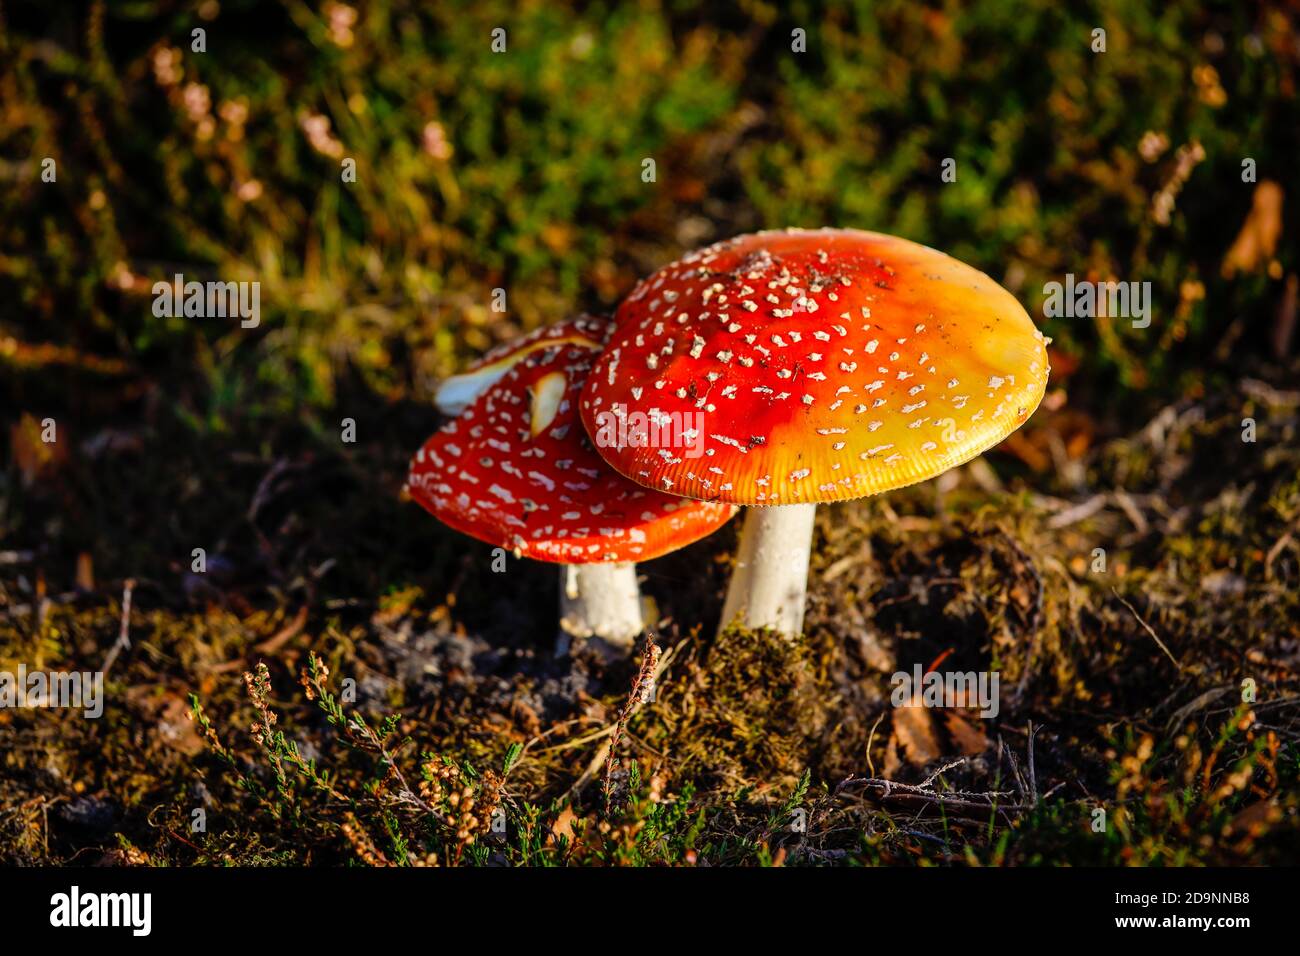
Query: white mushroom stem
x=770, y=582
x=601, y=600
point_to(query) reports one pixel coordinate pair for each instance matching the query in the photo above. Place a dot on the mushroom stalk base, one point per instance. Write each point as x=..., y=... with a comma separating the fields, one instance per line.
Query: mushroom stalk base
x=770, y=582
x=601, y=601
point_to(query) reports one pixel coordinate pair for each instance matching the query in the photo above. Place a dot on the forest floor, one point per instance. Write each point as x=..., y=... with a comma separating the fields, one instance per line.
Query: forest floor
x=1145, y=627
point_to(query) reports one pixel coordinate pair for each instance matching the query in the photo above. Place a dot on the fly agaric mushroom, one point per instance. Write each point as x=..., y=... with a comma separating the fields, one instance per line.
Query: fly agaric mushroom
x=515, y=469
x=826, y=365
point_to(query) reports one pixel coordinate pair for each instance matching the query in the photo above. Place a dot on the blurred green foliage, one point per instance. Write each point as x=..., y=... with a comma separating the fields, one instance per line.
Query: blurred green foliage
x=522, y=169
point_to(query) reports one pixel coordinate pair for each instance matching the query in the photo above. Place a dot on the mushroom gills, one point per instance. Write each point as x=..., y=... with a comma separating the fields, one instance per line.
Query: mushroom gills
x=458, y=392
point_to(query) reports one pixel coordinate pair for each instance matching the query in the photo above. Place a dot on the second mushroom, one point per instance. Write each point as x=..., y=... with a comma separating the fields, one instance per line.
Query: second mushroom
x=515, y=469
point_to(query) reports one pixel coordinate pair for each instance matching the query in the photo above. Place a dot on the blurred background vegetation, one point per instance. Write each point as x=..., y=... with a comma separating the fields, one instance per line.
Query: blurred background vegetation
x=522, y=170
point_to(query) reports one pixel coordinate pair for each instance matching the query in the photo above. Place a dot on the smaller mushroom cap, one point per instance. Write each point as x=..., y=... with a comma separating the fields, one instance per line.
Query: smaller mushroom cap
x=817, y=365
x=459, y=391
x=515, y=469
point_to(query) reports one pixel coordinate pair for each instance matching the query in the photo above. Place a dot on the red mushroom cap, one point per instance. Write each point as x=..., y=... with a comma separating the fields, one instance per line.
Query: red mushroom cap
x=822, y=365
x=515, y=469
